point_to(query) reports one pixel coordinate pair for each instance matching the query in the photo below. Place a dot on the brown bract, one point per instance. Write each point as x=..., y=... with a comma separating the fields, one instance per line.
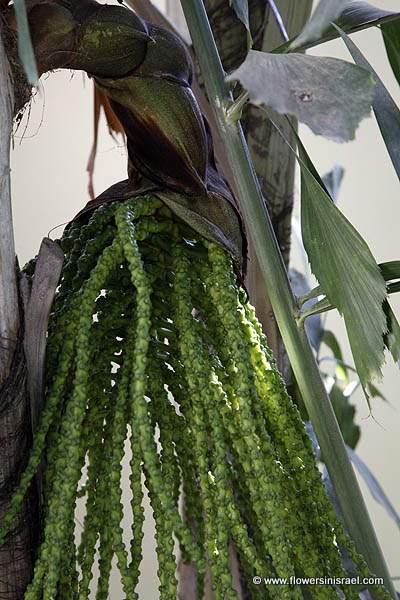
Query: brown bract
x=146, y=73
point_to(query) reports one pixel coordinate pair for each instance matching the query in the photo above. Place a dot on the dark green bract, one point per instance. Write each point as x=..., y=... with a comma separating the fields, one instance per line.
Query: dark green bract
x=152, y=343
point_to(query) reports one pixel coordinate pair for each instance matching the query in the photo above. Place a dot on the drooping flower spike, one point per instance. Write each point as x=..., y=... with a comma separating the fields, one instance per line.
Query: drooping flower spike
x=152, y=344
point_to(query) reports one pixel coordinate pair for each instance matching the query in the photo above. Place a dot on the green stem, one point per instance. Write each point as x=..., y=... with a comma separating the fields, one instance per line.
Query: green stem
x=234, y=111
x=318, y=308
x=314, y=293
x=278, y=288
x=324, y=305
x=393, y=288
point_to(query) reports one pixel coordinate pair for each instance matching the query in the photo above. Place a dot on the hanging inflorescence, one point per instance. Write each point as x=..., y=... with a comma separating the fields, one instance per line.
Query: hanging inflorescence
x=153, y=343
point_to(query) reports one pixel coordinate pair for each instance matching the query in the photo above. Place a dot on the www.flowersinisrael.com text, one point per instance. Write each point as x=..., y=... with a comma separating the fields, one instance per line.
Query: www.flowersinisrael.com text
x=293, y=580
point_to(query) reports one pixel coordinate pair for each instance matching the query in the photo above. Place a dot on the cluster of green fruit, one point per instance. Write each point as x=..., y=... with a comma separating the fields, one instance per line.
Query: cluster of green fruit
x=152, y=343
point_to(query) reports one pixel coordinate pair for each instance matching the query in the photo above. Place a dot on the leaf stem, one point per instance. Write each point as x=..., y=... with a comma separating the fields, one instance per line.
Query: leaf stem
x=25, y=48
x=324, y=304
x=338, y=361
x=278, y=288
x=314, y=293
x=278, y=19
x=393, y=288
x=234, y=111
x=318, y=308
x=9, y=313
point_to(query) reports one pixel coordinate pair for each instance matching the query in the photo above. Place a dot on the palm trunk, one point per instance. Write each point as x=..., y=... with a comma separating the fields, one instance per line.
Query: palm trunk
x=16, y=555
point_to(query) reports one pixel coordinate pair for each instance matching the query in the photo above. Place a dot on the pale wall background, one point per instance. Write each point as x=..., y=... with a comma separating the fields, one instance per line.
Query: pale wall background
x=50, y=185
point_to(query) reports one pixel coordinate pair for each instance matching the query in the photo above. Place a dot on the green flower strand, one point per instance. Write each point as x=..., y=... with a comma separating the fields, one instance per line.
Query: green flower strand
x=302, y=529
x=379, y=592
x=182, y=439
x=224, y=486
x=164, y=528
x=161, y=410
x=141, y=423
x=160, y=407
x=190, y=486
x=210, y=330
x=168, y=587
x=103, y=495
x=68, y=583
x=222, y=411
x=216, y=540
x=110, y=319
x=87, y=261
x=73, y=243
x=135, y=479
x=68, y=467
x=100, y=376
x=213, y=336
x=119, y=432
x=91, y=524
x=287, y=426
x=48, y=415
x=268, y=499
x=181, y=424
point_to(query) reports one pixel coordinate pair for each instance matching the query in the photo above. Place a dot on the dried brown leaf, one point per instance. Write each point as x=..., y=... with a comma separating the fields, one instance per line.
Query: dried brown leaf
x=100, y=101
